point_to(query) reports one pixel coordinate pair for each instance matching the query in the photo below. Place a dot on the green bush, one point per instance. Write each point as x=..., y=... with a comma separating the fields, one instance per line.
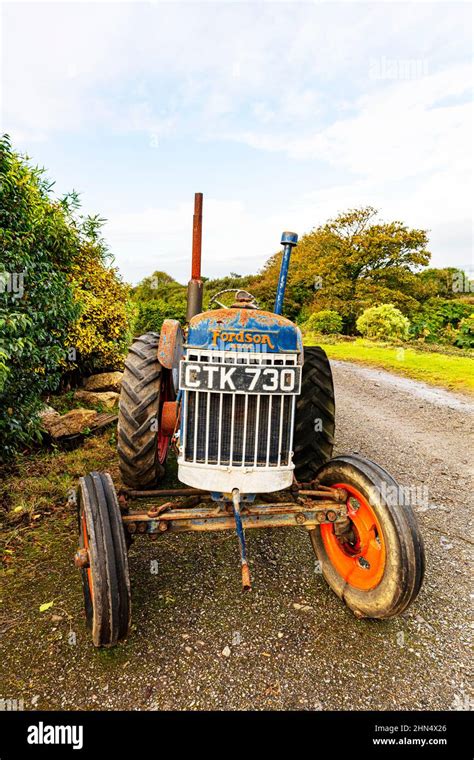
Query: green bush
x=101, y=333
x=326, y=322
x=41, y=242
x=465, y=333
x=151, y=315
x=438, y=320
x=384, y=322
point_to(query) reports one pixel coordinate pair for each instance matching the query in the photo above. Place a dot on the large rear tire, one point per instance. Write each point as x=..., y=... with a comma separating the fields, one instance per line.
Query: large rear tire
x=376, y=563
x=142, y=448
x=315, y=418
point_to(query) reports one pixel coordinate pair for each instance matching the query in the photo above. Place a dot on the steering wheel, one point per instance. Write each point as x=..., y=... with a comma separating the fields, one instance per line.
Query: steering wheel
x=243, y=299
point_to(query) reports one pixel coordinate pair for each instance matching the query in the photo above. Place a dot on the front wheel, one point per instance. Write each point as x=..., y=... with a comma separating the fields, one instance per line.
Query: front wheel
x=102, y=557
x=375, y=563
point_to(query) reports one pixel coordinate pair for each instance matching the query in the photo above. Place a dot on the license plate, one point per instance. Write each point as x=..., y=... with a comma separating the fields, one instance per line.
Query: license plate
x=239, y=378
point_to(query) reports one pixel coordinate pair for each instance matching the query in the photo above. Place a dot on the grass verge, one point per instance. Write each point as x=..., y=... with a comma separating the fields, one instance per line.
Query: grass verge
x=452, y=372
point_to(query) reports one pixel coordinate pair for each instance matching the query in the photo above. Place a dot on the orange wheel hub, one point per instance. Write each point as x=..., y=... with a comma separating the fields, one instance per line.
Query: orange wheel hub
x=85, y=539
x=358, y=555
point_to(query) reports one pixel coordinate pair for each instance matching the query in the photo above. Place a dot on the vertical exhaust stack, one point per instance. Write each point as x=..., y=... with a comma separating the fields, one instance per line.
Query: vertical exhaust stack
x=288, y=241
x=195, y=284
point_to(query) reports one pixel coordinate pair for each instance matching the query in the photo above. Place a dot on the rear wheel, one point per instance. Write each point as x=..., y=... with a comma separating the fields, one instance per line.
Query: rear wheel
x=315, y=415
x=103, y=560
x=376, y=562
x=146, y=385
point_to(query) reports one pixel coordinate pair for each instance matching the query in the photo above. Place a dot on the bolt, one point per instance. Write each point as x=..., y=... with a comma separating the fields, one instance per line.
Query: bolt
x=300, y=518
x=162, y=526
x=132, y=527
x=142, y=527
x=354, y=503
x=81, y=558
x=153, y=536
x=331, y=515
x=321, y=516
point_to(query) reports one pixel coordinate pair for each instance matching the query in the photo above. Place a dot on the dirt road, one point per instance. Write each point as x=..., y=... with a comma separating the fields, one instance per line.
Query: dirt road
x=199, y=643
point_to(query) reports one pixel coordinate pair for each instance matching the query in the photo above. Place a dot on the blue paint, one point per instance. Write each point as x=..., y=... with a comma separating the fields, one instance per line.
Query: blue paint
x=240, y=534
x=288, y=240
x=205, y=331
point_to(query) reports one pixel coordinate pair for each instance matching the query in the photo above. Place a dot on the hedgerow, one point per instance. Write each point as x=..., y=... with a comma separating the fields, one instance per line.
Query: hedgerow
x=46, y=288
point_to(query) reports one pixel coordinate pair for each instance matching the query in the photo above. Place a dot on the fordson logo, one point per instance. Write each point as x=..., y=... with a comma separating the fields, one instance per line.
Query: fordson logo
x=243, y=336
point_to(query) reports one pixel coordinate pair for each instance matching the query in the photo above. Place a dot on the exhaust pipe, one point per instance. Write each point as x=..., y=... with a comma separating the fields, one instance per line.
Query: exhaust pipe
x=288, y=241
x=195, y=284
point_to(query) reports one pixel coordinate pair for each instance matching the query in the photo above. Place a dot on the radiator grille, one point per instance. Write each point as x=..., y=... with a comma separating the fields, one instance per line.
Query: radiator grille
x=238, y=429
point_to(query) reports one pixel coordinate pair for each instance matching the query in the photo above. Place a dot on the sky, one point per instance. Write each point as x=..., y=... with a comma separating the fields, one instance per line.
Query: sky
x=283, y=114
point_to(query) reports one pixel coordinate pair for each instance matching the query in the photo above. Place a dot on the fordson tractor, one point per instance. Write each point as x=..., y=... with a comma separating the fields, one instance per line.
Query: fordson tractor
x=249, y=412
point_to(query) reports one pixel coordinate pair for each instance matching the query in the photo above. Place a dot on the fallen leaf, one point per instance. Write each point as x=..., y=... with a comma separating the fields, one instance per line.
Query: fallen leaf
x=45, y=606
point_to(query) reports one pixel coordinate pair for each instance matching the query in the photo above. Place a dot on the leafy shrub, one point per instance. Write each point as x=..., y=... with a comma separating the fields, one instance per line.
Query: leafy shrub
x=465, y=333
x=36, y=301
x=151, y=315
x=326, y=322
x=101, y=333
x=157, y=298
x=43, y=247
x=438, y=320
x=384, y=322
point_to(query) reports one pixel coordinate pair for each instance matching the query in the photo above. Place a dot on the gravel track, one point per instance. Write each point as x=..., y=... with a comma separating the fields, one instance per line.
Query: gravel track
x=198, y=643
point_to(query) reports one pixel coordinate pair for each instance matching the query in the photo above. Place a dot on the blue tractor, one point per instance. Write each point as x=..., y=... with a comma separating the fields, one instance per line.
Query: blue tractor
x=249, y=411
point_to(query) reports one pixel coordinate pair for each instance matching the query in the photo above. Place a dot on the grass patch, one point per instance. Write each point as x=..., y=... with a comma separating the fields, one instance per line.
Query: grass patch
x=445, y=370
x=38, y=484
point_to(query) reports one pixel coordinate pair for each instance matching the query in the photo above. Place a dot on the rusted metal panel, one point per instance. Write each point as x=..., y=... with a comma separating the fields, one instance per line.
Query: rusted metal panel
x=169, y=417
x=195, y=285
x=231, y=329
x=203, y=518
x=197, y=237
x=170, y=346
x=134, y=494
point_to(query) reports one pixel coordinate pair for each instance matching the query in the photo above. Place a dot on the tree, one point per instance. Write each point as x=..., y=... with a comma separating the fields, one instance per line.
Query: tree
x=349, y=264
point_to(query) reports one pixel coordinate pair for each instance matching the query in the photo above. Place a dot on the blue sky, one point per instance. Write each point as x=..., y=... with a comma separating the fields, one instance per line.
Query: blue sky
x=282, y=114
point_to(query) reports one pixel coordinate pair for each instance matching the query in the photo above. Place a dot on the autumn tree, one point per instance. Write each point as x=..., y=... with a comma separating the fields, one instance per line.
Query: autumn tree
x=350, y=263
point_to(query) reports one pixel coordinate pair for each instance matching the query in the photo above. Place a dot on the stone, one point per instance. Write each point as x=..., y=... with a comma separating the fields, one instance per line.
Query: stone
x=61, y=425
x=45, y=410
x=105, y=381
x=106, y=398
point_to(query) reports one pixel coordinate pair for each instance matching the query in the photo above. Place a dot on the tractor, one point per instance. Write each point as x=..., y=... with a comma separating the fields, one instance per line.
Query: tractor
x=249, y=412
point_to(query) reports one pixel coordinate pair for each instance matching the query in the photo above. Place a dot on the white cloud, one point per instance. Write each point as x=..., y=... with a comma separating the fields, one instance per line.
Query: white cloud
x=397, y=132
x=234, y=239
x=293, y=79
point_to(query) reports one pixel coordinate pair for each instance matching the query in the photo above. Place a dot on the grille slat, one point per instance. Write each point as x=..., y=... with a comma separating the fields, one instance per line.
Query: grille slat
x=240, y=430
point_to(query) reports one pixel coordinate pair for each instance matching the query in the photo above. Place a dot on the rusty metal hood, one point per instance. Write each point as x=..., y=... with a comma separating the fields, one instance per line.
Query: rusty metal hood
x=244, y=329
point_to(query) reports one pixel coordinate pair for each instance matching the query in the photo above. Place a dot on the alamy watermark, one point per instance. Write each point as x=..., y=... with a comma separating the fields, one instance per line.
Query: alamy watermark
x=463, y=281
x=398, y=68
x=12, y=283
x=397, y=495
